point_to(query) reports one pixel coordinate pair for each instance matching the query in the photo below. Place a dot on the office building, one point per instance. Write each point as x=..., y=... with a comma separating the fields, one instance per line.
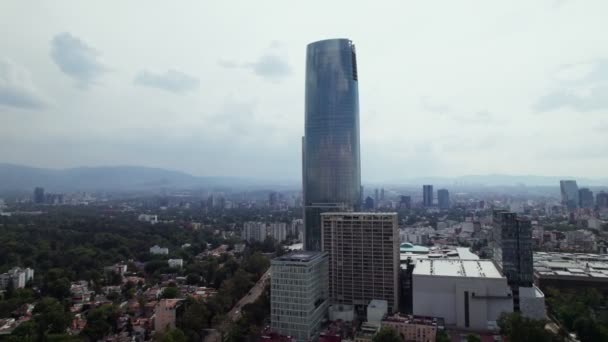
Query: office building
x=512, y=252
x=363, y=251
x=382, y=194
x=467, y=294
x=427, y=196
x=601, y=200
x=585, y=197
x=331, y=161
x=570, y=195
x=39, y=195
x=369, y=203
x=571, y=271
x=298, y=294
x=443, y=198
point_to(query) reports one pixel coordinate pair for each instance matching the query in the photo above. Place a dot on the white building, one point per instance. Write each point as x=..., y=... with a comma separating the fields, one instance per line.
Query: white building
x=467, y=294
x=376, y=310
x=298, y=296
x=175, y=263
x=278, y=231
x=18, y=276
x=254, y=231
x=156, y=249
x=153, y=219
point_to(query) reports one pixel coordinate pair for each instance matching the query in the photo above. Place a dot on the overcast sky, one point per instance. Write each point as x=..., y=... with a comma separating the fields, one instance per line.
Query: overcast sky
x=447, y=88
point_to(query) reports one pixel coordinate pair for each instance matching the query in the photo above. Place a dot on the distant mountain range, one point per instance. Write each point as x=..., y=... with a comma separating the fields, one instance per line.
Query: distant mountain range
x=504, y=180
x=108, y=178
x=137, y=178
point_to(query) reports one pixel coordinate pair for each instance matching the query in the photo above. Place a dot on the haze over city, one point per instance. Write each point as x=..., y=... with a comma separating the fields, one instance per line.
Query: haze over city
x=446, y=89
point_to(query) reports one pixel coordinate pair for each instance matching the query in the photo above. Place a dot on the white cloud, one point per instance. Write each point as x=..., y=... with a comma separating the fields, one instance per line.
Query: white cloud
x=17, y=88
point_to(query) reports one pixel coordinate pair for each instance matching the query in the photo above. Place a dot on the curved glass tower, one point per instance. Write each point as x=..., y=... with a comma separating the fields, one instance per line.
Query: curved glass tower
x=330, y=148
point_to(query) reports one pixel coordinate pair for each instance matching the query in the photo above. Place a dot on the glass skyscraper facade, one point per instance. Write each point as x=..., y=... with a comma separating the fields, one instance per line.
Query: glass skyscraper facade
x=330, y=152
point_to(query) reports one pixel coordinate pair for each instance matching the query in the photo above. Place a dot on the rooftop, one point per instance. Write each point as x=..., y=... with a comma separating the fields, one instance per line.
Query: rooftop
x=580, y=265
x=457, y=268
x=300, y=256
x=411, y=248
x=346, y=213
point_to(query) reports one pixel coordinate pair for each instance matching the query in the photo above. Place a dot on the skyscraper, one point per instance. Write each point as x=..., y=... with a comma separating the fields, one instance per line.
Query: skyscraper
x=443, y=198
x=601, y=199
x=427, y=196
x=585, y=197
x=331, y=169
x=570, y=196
x=39, y=195
x=363, y=250
x=512, y=251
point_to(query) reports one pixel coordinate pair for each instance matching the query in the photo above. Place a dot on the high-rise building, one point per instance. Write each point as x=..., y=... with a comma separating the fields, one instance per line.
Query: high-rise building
x=369, y=203
x=363, y=250
x=512, y=251
x=376, y=198
x=39, y=195
x=272, y=199
x=443, y=198
x=405, y=202
x=331, y=158
x=585, y=197
x=601, y=200
x=570, y=195
x=427, y=196
x=382, y=194
x=298, y=294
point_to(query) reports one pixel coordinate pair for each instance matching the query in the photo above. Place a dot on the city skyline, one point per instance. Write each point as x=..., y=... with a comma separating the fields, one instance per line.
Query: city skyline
x=71, y=94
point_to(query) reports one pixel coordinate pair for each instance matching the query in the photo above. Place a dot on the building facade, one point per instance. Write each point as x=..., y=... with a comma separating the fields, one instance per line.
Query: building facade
x=363, y=251
x=330, y=148
x=413, y=328
x=298, y=296
x=443, y=198
x=570, y=195
x=427, y=196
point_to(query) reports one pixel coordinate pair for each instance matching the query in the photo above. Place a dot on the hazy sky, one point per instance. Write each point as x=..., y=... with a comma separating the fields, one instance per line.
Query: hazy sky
x=447, y=88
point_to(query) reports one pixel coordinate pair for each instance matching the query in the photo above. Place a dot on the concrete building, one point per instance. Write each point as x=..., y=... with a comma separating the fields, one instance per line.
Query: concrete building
x=254, y=231
x=39, y=195
x=427, y=196
x=376, y=310
x=278, y=231
x=571, y=271
x=443, y=198
x=175, y=263
x=152, y=219
x=414, y=328
x=467, y=294
x=165, y=313
x=601, y=200
x=363, y=251
x=299, y=297
x=156, y=249
x=19, y=277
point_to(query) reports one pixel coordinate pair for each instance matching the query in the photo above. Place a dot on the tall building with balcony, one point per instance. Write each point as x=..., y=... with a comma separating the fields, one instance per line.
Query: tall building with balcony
x=570, y=194
x=298, y=294
x=363, y=251
x=331, y=167
x=427, y=196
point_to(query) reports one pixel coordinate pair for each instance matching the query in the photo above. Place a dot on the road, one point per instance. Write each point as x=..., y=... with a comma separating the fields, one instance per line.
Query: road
x=254, y=293
x=235, y=313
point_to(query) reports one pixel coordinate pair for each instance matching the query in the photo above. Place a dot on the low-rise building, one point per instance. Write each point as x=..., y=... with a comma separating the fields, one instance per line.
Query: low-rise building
x=165, y=314
x=153, y=219
x=156, y=249
x=467, y=294
x=414, y=328
x=175, y=263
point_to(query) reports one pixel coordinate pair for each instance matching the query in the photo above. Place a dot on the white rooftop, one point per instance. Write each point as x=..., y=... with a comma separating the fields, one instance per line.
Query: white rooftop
x=457, y=268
